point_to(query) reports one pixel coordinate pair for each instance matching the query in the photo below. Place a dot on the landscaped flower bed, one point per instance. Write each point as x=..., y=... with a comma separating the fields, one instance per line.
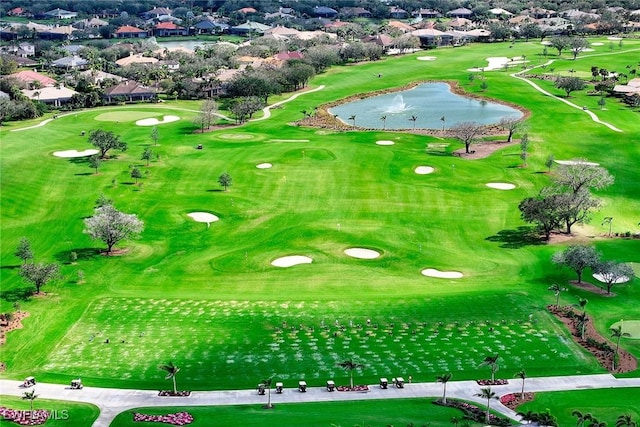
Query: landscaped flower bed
x=513, y=400
x=355, y=388
x=493, y=382
x=25, y=417
x=182, y=393
x=474, y=412
x=177, y=419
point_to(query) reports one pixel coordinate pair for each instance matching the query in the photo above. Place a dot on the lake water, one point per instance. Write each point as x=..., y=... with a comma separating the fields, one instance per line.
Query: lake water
x=187, y=44
x=427, y=103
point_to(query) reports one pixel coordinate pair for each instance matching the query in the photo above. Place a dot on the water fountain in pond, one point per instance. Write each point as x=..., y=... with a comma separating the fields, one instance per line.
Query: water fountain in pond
x=397, y=105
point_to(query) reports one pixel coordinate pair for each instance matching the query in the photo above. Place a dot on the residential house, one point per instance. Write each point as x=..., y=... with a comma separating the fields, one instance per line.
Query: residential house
x=128, y=32
x=426, y=14
x=405, y=28
x=631, y=88
x=249, y=27
x=94, y=22
x=55, y=95
x=16, y=11
x=171, y=65
x=324, y=12
x=396, y=12
x=247, y=10
x=63, y=32
x=208, y=26
x=282, y=13
x=382, y=40
x=29, y=78
x=136, y=59
x=60, y=14
x=130, y=91
x=97, y=76
x=499, y=12
x=20, y=60
x=168, y=29
x=460, y=23
x=355, y=12
x=430, y=37
x=70, y=63
x=461, y=12
x=156, y=12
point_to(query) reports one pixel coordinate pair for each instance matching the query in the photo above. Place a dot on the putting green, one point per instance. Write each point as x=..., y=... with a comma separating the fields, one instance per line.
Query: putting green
x=125, y=116
x=631, y=327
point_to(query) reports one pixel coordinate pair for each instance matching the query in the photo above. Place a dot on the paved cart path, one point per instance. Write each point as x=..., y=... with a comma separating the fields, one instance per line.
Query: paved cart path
x=113, y=401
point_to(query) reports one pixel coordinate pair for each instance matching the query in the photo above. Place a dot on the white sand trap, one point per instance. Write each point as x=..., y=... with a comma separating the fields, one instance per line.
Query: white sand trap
x=424, y=170
x=426, y=58
x=76, y=153
x=362, y=253
x=153, y=121
x=203, y=217
x=546, y=43
x=576, y=162
x=385, y=142
x=432, y=272
x=264, y=166
x=614, y=38
x=601, y=278
x=597, y=44
x=290, y=261
x=501, y=185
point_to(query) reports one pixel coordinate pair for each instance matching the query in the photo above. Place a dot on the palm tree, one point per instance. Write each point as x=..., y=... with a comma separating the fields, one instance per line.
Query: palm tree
x=171, y=370
x=413, y=119
x=528, y=416
x=353, y=118
x=583, y=319
x=486, y=393
x=617, y=334
x=625, y=421
x=267, y=383
x=384, y=122
x=444, y=122
x=582, y=418
x=492, y=362
x=522, y=375
x=30, y=396
x=444, y=378
x=556, y=291
x=596, y=423
x=350, y=365
x=455, y=421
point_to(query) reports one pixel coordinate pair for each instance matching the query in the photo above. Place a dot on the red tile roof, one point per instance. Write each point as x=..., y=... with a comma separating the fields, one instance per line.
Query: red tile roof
x=29, y=76
x=129, y=29
x=167, y=26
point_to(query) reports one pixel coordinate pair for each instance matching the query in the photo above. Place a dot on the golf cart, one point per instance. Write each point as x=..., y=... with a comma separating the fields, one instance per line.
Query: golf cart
x=29, y=382
x=279, y=387
x=384, y=383
x=400, y=382
x=302, y=386
x=76, y=384
x=261, y=389
x=331, y=386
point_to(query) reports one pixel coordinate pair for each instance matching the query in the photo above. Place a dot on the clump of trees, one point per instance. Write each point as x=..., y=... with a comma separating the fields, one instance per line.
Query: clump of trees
x=106, y=140
x=112, y=226
x=37, y=274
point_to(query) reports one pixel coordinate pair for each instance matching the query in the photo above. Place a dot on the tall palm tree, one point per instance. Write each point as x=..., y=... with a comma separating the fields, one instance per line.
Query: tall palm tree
x=582, y=418
x=171, y=370
x=267, y=383
x=522, y=375
x=444, y=378
x=528, y=416
x=625, y=420
x=444, y=122
x=617, y=334
x=596, y=423
x=353, y=118
x=486, y=393
x=30, y=396
x=492, y=362
x=556, y=291
x=582, y=320
x=350, y=365
x=384, y=122
x=413, y=119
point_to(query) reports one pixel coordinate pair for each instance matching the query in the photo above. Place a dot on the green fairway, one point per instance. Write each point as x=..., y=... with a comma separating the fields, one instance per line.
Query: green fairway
x=61, y=413
x=207, y=297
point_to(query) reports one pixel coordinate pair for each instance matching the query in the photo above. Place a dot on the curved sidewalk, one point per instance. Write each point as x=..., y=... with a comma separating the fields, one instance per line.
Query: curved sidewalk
x=114, y=401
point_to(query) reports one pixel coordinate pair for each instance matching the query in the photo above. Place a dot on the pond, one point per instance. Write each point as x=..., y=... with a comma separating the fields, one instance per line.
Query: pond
x=186, y=44
x=423, y=106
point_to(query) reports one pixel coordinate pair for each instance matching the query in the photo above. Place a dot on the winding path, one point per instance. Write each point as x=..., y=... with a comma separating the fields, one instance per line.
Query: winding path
x=267, y=110
x=113, y=401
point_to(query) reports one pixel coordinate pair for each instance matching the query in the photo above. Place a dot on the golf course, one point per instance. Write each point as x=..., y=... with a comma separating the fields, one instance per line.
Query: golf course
x=384, y=247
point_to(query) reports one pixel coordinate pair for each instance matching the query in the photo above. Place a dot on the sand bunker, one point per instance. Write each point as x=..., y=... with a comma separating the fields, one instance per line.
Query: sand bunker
x=385, y=142
x=599, y=277
x=432, y=272
x=362, y=253
x=614, y=38
x=203, y=217
x=264, y=166
x=546, y=43
x=290, y=261
x=501, y=186
x=76, y=153
x=426, y=58
x=153, y=121
x=424, y=170
x=576, y=162
x=499, y=62
x=597, y=44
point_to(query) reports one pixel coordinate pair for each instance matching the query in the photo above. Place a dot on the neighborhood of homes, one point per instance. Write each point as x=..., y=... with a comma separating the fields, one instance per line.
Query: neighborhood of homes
x=432, y=28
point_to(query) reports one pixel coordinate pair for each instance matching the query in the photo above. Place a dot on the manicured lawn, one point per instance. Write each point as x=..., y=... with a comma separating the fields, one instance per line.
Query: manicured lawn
x=61, y=413
x=208, y=298
x=605, y=405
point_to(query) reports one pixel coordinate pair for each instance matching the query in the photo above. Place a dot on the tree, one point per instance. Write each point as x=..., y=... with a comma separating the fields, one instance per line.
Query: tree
x=95, y=162
x=30, y=396
x=39, y=274
x=112, y=226
x=541, y=211
x=556, y=291
x=523, y=376
x=511, y=125
x=413, y=119
x=530, y=31
x=136, y=174
x=444, y=378
x=581, y=418
x=384, y=122
x=617, y=334
x=468, y=133
x=147, y=155
x=580, y=174
x=528, y=416
x=577, y=258
x=491, y=362
x=486, y=393
x=455, y=421
x=353, y=118
x=569, y=84
x=577, y=45
x=560, y=43
x=171, y=370
x=154, y=135
x=583, y=319
x=267, y=383
x=550, y=162
x=225, y=180
x=625, y=420
x=23, y=251
x=207, y=114
x=105, y=141
x=613, y=272
x=596, y=423
x=350, y=366
x=524, y=148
